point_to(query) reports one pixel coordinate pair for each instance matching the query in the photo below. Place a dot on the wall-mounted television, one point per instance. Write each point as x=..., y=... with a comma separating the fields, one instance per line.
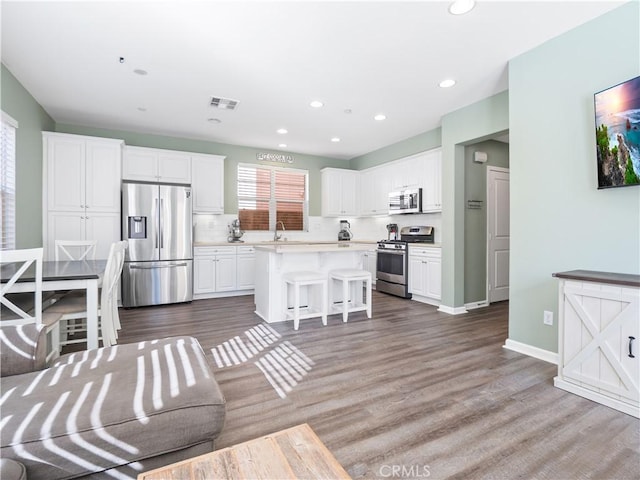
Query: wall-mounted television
x=617, y=112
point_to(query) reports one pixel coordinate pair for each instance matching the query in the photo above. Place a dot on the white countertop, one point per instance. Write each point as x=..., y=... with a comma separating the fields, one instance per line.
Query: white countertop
x=289, y=247
x=284, y=243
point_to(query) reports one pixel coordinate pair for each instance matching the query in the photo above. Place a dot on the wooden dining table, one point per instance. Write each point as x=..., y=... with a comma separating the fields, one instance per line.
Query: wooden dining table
x=65, y=275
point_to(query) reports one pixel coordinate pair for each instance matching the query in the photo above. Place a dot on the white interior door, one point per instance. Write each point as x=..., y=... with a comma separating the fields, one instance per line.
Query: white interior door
x=498, y=233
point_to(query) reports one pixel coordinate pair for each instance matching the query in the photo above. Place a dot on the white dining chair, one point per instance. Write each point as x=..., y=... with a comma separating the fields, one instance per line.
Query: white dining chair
x=75, y=250
x=21, y=308
x=74, y=307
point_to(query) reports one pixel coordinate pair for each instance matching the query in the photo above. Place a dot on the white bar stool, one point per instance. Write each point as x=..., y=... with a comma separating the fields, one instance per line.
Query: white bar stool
x=356, y=291
x=313, y=309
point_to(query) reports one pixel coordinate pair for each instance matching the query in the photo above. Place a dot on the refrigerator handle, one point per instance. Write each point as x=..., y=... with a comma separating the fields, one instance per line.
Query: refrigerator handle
x=157, y=226
x=161, y=223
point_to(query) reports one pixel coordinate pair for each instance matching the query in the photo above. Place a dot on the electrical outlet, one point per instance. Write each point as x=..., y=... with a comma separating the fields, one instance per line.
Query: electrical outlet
x=548, y=317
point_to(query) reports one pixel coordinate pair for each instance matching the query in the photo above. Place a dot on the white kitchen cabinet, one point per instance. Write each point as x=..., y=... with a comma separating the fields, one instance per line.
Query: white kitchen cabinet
x=246, y=266
x=425, y=274
x=156, y=165
x=375, y=185
x=432, y=186
x=207, y=183
x=339, y=192
x=599, y=332
x=370, y=264
x=214, y=269
x=102, y=227
x=81, y=190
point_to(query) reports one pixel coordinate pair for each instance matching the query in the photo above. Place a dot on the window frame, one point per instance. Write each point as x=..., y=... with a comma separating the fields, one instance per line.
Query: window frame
x=273, y=201
x=8, y=165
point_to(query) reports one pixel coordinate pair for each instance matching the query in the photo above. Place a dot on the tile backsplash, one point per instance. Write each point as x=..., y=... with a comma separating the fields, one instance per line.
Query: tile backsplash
x=215, y=228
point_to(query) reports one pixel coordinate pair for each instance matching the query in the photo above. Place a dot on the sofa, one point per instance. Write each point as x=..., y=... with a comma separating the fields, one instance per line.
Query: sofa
x=111, y=412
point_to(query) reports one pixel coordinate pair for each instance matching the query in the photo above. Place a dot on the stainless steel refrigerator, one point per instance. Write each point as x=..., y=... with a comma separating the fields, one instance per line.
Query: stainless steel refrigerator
x=156, y=221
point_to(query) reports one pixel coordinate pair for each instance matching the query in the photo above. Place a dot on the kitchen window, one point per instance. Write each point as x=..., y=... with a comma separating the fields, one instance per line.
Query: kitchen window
x=267, y=195
x=8, y=182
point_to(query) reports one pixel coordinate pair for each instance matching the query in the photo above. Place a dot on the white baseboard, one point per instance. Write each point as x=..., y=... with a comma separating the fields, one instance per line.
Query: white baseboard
x=531, y=351
x=452, y=310
x=474, y=305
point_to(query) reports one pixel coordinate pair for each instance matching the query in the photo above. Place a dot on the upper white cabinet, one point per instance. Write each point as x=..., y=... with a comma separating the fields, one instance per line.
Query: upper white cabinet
x=375, y=185
x=156, y=165
x=208, y=183
x=432, y=186
x=81, y=183
x=339, y=192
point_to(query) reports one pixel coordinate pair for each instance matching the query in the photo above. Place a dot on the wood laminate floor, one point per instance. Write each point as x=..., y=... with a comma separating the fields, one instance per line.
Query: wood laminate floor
x=411, y=393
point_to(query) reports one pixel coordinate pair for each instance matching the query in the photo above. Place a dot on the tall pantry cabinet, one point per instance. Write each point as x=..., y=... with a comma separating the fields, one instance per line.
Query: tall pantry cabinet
x=81, y=190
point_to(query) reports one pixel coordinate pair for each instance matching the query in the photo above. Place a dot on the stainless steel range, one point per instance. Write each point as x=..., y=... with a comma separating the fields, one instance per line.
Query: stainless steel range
x=393, y=260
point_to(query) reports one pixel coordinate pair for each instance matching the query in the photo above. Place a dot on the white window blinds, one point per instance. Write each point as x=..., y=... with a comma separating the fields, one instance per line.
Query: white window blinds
x=267, y=195
x=8, y=182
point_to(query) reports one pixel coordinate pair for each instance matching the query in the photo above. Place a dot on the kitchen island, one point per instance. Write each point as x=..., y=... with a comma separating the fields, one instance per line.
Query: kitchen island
x=272, y=261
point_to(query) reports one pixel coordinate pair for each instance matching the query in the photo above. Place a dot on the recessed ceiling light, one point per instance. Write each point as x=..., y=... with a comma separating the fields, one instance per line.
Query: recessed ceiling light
x=347, y=111
x=139, y=71
x=316, y=104
x=447, y=83
x=460, y=7
x=282, y=145
x=379, y=117
x=335, y=139
x=214, y=120
x=142, y=109
x=282, y=131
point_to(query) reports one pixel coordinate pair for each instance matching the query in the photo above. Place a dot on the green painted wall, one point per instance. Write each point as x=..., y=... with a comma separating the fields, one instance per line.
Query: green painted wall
x=234, y=154
x=420, y=143
x=32, y=120
x=472, y=124
x=559, y=220
x=475, y=220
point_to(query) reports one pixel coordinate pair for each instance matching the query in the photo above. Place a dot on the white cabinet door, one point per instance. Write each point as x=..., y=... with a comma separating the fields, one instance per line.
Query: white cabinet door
x=65, y=173
x=104, y=228
x=225, y=273
x=432, y=190
x=63, y=226
x=204, y=274
x=207, y=183
x=102, y=176
x=174, y=167
x=370, y=264
x=434, y=278
x=339, y=192
x=246, y=265
x=140, y=163
x=417, y=276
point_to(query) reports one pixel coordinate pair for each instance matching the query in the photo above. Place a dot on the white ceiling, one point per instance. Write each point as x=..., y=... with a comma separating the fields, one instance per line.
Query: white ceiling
x=274, y=57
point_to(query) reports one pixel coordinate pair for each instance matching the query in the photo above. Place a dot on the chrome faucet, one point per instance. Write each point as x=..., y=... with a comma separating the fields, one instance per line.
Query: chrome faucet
x=277, y=237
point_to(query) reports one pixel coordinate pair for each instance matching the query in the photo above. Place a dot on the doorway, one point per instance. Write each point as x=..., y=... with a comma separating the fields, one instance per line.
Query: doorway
x=498, y=236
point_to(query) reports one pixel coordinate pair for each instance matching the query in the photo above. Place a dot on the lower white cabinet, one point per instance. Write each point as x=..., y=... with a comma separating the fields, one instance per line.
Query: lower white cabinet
x=425, y=274
x=104, y=228
x=599, y=333
x=370, y=263
x=222, y=271
x=245, y=266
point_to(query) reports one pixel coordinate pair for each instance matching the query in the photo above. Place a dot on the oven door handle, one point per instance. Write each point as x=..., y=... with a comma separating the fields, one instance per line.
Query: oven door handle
x=392, y=252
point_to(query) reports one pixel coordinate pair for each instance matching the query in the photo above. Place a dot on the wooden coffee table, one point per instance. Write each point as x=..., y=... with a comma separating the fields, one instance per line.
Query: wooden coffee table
x=296, y=452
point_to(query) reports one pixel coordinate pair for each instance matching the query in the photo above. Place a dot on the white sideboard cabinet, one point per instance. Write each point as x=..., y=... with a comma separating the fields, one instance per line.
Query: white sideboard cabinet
x=81, y=190
x=425, y=273
x=599, y=336
x=222, y=271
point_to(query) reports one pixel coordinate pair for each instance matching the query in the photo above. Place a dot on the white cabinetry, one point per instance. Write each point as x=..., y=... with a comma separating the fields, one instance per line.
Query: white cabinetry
x=339, y=192
x=223, y=271
x=425, y=274
x=599, y=332
x=156, y=165
x=370, y=263
x=375, y=185
x=246, y=266
x=207, y=183
x=432, y=186
x=81, y=183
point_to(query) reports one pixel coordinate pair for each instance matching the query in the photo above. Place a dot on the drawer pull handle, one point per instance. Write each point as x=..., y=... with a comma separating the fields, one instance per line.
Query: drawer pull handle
x=631, y=339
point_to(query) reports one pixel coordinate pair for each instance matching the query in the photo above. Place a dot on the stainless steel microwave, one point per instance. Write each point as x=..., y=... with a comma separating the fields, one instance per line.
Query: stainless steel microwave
x=405, y=201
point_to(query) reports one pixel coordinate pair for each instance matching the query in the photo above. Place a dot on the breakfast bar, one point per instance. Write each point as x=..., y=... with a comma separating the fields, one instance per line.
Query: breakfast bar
x=273, y=261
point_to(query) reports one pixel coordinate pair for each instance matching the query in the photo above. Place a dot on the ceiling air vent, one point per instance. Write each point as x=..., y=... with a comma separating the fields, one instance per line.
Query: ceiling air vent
x=224, y=103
